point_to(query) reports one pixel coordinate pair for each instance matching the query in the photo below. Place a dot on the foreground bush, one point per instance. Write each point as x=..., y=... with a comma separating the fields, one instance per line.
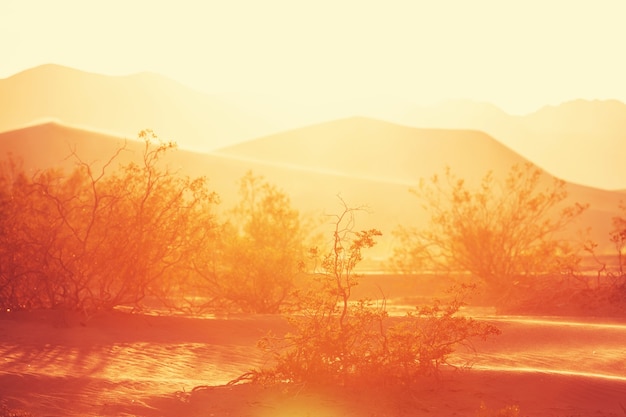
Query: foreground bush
x=259, y=253
x=505, y=233
x=99, y=237
x=338, y=341
x=596, y=289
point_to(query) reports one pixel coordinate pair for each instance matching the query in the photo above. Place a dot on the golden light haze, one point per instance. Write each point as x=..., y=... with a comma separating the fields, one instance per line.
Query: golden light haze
x=517, y=55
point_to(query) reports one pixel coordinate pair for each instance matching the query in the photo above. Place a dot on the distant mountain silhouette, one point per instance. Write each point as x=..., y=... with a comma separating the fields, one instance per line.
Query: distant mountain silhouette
x=582, y=141
x=385, y=152
x=380, y=150
x=368, y=162
x=124, y=106
x=605, y=117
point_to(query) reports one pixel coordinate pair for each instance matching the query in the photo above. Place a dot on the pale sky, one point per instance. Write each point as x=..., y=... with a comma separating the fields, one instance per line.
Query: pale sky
x=519, y=55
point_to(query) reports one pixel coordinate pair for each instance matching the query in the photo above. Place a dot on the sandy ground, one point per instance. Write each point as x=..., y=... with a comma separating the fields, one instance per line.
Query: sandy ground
x=121, y=365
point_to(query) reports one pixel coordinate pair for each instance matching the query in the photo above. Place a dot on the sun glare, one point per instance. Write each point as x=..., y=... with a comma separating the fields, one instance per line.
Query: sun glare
x=329, y=208
x=326, y=52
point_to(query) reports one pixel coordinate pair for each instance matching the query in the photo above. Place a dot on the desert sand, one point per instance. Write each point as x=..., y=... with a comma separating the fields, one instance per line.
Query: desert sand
x=118, y=364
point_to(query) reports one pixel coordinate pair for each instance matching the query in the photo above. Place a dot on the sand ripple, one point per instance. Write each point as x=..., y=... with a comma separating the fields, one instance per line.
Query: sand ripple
x=116, y=360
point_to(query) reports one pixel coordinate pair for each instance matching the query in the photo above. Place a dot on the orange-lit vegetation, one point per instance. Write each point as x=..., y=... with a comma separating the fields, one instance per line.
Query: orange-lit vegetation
x=508, y=235
x=96, y=238
x=259, y=253
x=602, y=286
x=337, y=340
x=109, y=234
x=611, y=271
x=93, y=239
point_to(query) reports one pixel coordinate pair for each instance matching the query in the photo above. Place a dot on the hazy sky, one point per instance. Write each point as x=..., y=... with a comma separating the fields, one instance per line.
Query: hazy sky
x=519, y=55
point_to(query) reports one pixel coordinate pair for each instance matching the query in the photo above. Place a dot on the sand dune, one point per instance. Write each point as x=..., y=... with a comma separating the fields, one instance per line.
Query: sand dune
x=52, y=144
x=115, y=365
x=579, y=141
x=370, y=148
x=368, y=162
x=120, y=365
x=380, y=149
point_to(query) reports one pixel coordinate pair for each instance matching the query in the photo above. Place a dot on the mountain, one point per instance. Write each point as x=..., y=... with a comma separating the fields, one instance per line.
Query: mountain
x=367, y=162
x=314, y=193
x=123, y=106
x=379, y=150
x=604, y=117
x=51, y=144
x=582, y=141
x=389, y=153
x=587, y=137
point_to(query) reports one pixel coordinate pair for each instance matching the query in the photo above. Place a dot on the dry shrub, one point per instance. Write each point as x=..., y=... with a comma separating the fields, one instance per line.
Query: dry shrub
x=424, y=340
x=337, y=341
x=369, y=347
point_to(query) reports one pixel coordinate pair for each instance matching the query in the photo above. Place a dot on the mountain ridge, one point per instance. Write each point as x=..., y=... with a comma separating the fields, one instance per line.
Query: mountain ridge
x=579, y=140
x=310, y=188
x=376, y=147
x=124, y=105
